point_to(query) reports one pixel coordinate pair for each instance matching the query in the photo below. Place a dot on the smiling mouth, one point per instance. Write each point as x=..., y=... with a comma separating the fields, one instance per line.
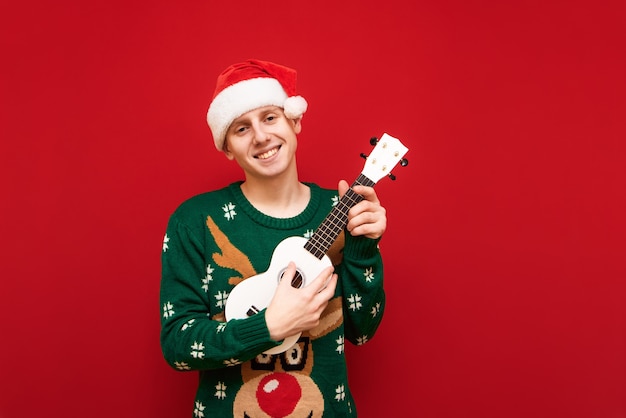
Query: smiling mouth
x=267, y=154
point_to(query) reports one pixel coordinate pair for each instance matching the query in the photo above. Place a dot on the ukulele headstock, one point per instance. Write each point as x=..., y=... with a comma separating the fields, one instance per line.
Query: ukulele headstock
x=386, y=154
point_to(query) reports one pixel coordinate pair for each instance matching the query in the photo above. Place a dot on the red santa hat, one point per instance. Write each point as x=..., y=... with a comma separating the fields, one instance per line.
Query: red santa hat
x=247, y=86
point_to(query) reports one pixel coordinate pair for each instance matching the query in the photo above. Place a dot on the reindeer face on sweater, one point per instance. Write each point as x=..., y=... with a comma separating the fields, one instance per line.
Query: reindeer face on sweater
x=280, y=385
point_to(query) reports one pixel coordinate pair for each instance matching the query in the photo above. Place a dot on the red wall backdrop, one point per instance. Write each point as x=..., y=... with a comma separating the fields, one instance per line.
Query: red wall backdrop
x=506, y=241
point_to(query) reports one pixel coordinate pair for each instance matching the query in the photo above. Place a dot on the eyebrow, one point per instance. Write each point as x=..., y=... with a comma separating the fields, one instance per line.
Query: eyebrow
x=245, y=119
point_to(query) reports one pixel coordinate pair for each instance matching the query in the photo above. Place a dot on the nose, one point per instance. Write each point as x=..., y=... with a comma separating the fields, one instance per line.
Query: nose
x=278, y=394
x=260, y=134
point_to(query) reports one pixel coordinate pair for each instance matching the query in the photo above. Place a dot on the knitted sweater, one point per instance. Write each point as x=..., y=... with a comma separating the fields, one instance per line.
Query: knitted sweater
x=214, y=241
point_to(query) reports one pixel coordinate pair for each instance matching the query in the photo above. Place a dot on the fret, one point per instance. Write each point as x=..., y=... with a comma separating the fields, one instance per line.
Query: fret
x=336, y=221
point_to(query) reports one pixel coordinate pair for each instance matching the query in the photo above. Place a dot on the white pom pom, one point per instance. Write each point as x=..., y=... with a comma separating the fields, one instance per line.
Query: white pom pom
x=295, y=106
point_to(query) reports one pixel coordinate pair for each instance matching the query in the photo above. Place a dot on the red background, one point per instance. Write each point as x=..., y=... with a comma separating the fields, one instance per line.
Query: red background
x=506, y=240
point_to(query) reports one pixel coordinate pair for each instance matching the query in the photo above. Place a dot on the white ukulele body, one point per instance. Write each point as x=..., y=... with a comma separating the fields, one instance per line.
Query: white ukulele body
x=255, y=293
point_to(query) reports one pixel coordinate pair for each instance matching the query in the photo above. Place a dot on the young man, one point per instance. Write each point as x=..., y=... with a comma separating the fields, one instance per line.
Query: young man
x=216, y=240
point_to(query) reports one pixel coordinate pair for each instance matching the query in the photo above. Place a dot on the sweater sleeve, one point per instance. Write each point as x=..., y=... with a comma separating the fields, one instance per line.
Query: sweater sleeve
x=190, y=338
x=361, y=275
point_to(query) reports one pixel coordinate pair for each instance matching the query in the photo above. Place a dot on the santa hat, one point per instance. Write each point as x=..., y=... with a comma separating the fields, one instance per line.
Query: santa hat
x=247, y=86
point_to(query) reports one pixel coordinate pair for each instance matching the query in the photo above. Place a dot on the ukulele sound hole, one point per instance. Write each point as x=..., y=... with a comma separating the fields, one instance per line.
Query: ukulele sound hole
x=297, y=281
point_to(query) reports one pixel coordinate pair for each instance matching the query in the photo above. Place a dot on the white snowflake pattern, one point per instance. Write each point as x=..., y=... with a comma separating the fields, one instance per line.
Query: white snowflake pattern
x=308, y=234
x=166, y=239
x=187, y=325
x=208, y=278
x=199, y=410
x=369, y=274
x=229, y=210
x=335, y=200
x=375, y=310
x=220, y=392
x=232, y=362
x=220, y=327
x=362, y=340
x=340, y=344
x=221, y=299
x=355, y=302
x=340, y=393
x=197, y=350
x=182, y=365
x=168, y=310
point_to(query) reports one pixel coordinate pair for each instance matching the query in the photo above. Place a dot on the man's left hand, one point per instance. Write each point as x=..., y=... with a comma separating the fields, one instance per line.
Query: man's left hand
x=368, y=217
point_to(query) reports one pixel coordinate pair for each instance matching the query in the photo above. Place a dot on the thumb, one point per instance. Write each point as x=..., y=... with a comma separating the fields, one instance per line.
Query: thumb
x=342, y=187
x=288, y=275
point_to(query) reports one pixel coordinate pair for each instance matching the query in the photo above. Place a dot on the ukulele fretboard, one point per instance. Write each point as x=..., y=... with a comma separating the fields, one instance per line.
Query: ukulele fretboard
x=333, y=224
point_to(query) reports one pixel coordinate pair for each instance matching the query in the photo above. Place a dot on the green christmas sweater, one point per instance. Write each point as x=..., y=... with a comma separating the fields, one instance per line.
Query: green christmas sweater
x=218, y=239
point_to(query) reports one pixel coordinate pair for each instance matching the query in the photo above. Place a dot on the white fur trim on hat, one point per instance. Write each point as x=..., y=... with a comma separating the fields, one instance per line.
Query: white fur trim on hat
x=239, y=98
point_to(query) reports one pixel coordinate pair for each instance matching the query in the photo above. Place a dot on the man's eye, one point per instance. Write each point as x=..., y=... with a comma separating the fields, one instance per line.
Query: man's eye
x=270, y=118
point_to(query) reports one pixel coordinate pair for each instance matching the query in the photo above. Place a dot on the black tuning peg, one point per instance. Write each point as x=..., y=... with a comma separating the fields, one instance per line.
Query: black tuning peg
x=391, y=176
x=404, y=162
x=373, y=140
x=362, y=155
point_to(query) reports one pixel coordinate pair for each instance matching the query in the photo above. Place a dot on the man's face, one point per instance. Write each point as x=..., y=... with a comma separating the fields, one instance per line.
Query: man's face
x=263, y=141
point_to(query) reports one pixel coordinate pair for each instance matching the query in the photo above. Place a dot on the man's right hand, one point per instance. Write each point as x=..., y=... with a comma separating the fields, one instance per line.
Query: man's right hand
x=295, y=310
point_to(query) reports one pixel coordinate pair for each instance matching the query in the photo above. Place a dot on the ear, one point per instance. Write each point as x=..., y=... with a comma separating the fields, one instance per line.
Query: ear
x=226, y=151
x=297, y=124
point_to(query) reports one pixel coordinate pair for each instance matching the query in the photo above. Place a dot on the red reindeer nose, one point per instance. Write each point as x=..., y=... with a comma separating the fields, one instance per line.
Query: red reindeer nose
x=278, y=394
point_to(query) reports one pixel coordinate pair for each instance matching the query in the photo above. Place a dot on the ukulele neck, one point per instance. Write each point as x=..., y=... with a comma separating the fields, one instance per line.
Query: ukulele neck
x=326, y=234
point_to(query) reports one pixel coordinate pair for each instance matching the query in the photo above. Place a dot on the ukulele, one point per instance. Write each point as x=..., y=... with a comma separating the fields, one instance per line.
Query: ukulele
x=255, y=293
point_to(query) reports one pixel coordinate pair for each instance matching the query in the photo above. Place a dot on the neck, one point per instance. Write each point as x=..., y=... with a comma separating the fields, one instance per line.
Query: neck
x=276, y=197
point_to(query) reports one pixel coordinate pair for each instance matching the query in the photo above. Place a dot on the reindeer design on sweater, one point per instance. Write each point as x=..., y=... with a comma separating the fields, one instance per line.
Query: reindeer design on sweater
x=278, y=385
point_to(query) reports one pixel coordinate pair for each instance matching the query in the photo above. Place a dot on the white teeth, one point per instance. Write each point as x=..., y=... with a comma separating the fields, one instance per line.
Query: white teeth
x=267, y=154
